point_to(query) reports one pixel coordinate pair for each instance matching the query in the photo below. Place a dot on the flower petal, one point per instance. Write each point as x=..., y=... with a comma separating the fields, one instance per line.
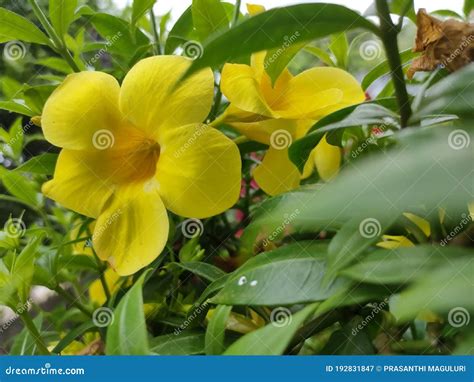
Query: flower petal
x=327, y=159
x=151, y=98
x=83, y=104
x=198, y=171
x=76, y=183
x=241, y=86
x=132, y=230
x=394, y=242
x=277, y=174
x=262, y=131
x=317, y=92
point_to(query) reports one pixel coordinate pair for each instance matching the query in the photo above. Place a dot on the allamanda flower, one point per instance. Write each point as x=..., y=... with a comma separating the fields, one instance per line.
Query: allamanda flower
x=276, y=115
x=130, y=153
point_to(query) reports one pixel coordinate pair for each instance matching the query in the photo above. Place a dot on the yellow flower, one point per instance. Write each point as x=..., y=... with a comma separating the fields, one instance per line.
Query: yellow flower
x=132, y=152
x=96, y=289
x=394, y=242
x=277, y=115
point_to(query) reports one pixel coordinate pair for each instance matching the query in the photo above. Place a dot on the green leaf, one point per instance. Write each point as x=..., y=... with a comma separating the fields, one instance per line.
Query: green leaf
x=209, y=16
x=55, y=63
x=468, y=7
x=139, y=8
x=204, y=270
x=397, y=7
x=311, y=21
x=16, y=107
x=72, y=335
x=43, y=164
x=16, y=27
x=354, y=237
x=443, y=290
x=437, y=173
x=215, y=333
x=401, y=265
x=321, y=55
x=340, y=47
x=184, y=343
x=345, y=342
x=439, y=98
x=276, y=60
x=273, y=338
x=124, y=43
x=20, y=187
x=384, y=68
x=180, y=32
x=16, y=138
x=24, y=343
x=368, y=113
x=61, y=13
x=300, y=267
x=127, y=335
x=24, y=269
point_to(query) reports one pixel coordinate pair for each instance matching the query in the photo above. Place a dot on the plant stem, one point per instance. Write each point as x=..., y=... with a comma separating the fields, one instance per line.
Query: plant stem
x=58, y=43
x=63, y=293
x=388, y=35
x=31, y=327
x=156, y=36
x=235, y=19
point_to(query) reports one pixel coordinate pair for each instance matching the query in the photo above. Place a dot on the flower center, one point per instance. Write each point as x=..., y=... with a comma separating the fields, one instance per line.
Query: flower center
x=135, y=160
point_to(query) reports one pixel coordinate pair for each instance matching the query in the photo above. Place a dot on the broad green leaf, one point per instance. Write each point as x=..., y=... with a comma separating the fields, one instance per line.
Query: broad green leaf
x=339, y=47
x=183, y=343
x=180, y=32
x=16, y=107
x=276, y=60
x=204, y=270
x=345, y=342
x=127, y=335
x=368, y=113
x=354, y=237
x=384, y=68
x=432, y=170
x=401, y=265
x=16, y=138
x=139, y=8
x=215, y=333
x=24, y=268
x=16, y=27
x=209, y=16
x=72, y=335
x=451, y=95
x=61, y=13
x=43, y=164
x=447, y=13
x=118, y=34
x=445, y=289
x=55, y=63
x=273, y=338
x=311, y=21
x=468, y=7
x=20, y=187
x=321, y=54
x=299, y=267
